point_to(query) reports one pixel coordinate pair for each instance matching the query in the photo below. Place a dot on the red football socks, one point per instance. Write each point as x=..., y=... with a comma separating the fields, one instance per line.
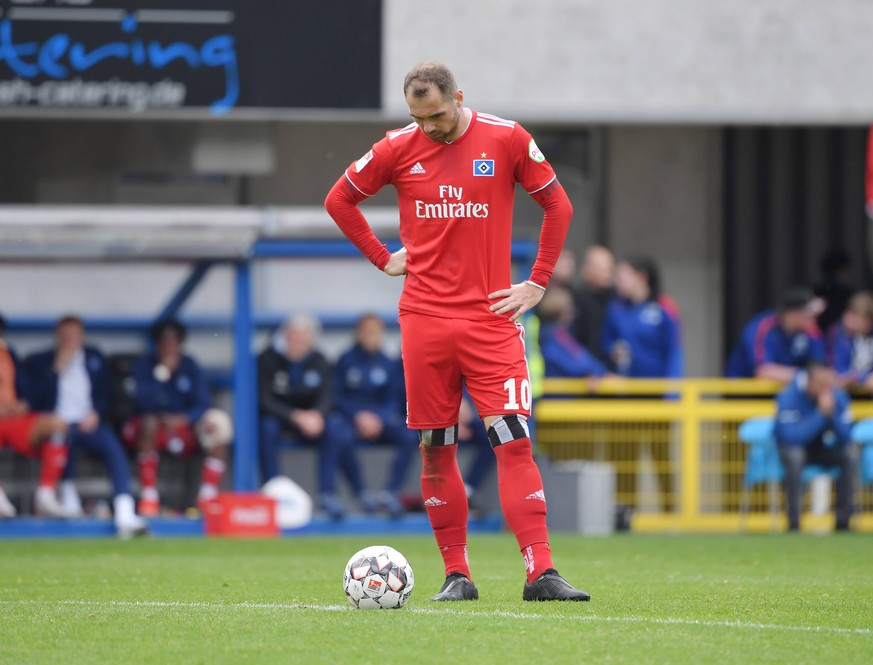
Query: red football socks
x=446, y=503
x=53, y=458
x=148, y=469
x=524, y=504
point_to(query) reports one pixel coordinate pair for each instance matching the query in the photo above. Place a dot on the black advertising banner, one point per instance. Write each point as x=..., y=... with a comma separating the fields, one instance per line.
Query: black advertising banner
x=216, y=55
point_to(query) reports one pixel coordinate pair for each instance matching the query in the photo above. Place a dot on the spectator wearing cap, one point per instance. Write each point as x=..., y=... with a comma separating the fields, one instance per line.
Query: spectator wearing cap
x=850, y=343
x=71, y=380
x=813, y=426
x=776, y=343
x=174, y=415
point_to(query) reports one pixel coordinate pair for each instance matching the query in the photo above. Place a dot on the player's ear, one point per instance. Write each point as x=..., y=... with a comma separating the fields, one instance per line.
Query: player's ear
x=459, y=97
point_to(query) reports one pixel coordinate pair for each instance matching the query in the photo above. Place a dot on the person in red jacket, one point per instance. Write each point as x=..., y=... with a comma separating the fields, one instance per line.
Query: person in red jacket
x=455, y=172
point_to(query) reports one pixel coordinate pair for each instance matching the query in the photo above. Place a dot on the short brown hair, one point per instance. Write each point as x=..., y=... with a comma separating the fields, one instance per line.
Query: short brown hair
x=426, y=74
x=67, y=319
x=862, y=303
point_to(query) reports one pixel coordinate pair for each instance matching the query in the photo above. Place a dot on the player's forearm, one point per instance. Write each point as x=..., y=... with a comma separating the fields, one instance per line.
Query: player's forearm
x=558, y=211
x=342, y=205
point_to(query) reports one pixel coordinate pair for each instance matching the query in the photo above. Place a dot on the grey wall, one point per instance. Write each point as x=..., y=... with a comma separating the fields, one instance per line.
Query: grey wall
x=643, y=60
x=663, y=200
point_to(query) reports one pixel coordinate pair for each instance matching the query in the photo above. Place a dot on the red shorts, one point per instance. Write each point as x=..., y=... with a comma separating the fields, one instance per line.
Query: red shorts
x=440, y=356
x=15, y=433
x=180, y=441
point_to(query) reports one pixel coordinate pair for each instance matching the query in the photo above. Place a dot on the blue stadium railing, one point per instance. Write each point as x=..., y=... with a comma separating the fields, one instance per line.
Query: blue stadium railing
x=244, y=321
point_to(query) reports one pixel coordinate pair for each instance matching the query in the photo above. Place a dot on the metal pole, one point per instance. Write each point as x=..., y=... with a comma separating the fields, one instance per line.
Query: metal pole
x=245, y=453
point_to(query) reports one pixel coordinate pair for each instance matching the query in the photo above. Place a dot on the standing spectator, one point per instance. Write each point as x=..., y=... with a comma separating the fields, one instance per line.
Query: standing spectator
x=294, y=399
x=592, y=298
x=851, y=343
x=642, y=339
x=367, y=400
x=174, y=415
x=775, y=344
x=31, y=434
x=72, y=380
x=813, y=426
x=835, y=287
x=565, y=270
x=563, y=356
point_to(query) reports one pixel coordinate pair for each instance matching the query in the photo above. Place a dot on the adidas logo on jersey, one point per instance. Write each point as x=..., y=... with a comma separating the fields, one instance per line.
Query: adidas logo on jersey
x=539, y=495
x=418, y=169
x=433, y=502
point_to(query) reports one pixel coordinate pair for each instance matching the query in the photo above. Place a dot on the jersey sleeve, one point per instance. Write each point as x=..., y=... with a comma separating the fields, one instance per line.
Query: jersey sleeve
x=532, y=170
x=373, y=170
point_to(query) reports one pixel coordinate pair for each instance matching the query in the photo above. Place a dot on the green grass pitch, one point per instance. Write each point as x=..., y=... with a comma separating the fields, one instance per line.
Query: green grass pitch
x=655, y=599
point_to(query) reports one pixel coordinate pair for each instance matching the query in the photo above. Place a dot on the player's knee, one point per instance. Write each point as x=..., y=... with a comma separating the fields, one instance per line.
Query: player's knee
x=445, y=436
x=508, y=428
x=214, y=429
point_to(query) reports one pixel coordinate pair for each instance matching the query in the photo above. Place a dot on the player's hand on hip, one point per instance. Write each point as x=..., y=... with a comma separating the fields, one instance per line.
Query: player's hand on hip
x=396, y=265
x=517, y=299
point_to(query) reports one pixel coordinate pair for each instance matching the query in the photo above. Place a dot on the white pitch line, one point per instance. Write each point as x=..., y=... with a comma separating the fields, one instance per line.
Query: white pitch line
x=586, y=618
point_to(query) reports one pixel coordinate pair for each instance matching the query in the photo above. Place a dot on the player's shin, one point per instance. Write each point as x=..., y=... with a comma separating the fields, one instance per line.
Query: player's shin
x=444, y=497
x=521, y=492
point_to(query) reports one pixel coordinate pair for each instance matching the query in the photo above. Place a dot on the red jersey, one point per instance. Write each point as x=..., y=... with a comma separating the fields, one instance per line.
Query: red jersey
x=456, y=201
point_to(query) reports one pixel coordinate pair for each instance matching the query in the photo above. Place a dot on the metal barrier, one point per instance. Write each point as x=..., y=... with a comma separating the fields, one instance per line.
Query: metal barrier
x=674, y=445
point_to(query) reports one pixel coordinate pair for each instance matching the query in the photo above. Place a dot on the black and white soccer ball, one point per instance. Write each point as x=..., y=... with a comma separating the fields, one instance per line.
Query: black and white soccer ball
x=378, y=578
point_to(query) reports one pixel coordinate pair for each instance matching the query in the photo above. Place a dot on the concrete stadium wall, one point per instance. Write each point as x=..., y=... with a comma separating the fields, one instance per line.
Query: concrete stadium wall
x=802, y=61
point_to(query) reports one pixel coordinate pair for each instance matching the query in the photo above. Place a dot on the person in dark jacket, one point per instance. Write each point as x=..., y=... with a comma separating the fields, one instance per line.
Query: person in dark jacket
x=813, y=426
x=592, y=298
x=72, y=380
x=563, y=355
x=295, y=400
x=174, y=414
x=368, y=401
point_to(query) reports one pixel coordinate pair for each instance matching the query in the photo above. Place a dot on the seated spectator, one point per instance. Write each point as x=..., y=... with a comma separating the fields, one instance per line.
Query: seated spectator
x=851, y=343
x=366, y=397
x=174, y=414
x=775, y=344
x=640, y=336
x=562, y=354
x=31, y=434
x=592, y=298
x=72, y=380
x=813, y=425
x=294, y=399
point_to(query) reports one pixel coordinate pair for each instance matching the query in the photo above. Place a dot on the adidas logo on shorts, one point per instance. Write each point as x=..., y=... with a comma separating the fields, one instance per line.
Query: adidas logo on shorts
x=418, y=169
x=433, y=502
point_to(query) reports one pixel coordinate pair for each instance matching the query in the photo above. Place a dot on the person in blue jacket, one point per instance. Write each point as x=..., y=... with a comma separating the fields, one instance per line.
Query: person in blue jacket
x=563, y=355
x=850, y=342
x=813, y=426
x=367, y=397
x=776, y=343
x=174, y=414
x=640, y=336
x=72, y=381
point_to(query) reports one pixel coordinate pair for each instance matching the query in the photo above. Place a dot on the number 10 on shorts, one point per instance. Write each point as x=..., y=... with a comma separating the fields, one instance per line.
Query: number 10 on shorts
x=512, y=403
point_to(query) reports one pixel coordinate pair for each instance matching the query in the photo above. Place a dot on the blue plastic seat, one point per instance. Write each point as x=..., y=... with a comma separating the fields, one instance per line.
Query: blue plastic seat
x=862, y=433
x=764, y=466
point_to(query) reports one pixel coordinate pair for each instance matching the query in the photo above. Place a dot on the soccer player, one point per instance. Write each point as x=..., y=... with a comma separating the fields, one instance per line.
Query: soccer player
x=455, y=171
x=32, y=434
x=175, y=415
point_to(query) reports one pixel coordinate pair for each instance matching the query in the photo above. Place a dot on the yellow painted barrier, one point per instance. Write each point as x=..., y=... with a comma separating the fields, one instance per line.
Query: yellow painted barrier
x=673, y=443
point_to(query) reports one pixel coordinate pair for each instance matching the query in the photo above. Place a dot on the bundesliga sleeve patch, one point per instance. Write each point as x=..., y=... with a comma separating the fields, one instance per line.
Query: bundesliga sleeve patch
x=483, y=167
x=534, y=152
x=363, y=161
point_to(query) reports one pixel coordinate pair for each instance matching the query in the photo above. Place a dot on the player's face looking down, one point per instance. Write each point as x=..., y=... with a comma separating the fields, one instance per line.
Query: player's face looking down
x=438, y=116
